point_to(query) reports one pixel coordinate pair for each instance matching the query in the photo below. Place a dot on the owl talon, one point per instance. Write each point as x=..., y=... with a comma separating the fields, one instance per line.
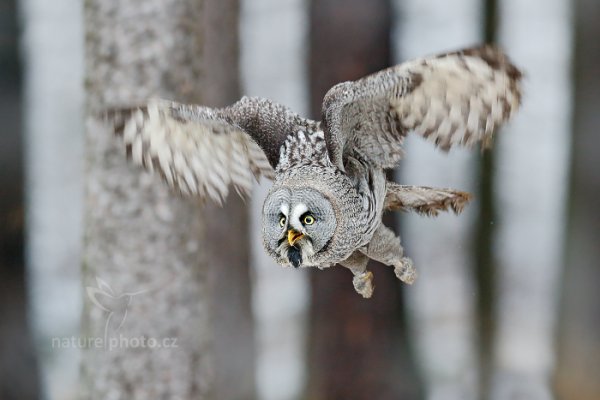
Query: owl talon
x=363, y=284
x=406, y=271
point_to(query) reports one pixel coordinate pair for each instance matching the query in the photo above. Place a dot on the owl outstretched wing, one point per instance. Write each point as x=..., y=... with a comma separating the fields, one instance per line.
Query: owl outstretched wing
x=424, y=200
x=202, y=151
x=457, y=98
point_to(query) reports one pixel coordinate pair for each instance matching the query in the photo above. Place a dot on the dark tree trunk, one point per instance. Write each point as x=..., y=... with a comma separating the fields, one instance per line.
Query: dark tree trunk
x=579, y=344
x=18, y=365
x=356, y=344
x=227, y=239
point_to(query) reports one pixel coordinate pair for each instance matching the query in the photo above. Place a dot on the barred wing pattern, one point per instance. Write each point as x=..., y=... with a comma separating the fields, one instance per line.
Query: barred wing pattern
x=457, y=98
x=424, y=200
x=197, y=150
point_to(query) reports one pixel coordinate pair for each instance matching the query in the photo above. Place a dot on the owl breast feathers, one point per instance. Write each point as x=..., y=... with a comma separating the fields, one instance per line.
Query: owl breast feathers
x=330, y=190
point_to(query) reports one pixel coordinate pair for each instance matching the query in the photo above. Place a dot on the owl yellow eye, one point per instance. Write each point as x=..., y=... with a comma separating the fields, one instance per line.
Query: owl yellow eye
x=282, y=222
x=309, y=220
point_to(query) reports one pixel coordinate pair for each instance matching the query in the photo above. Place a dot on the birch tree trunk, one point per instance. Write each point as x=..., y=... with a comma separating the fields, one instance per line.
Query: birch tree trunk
x=147, y=315
x=273, y=60
x=53, y=65
x=442, y=301
x=531, y=185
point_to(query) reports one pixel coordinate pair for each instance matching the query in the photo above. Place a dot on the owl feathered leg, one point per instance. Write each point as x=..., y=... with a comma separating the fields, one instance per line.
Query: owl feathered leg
x=385, y=247
x=363, y=279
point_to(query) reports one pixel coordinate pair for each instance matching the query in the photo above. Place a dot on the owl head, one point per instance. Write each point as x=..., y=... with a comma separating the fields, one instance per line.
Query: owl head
x=298, y=224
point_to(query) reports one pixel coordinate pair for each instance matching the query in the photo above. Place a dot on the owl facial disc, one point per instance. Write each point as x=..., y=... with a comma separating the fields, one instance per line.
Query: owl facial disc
x=298, y=222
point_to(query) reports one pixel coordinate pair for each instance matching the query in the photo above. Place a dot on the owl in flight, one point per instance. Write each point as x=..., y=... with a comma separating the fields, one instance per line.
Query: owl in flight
x=330, y=188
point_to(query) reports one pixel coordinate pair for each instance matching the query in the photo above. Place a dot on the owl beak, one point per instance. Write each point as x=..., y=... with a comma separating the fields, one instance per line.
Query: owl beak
x=294, y=236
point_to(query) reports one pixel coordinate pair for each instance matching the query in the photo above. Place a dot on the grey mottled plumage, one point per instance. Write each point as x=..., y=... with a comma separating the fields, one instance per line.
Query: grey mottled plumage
x=330, y=190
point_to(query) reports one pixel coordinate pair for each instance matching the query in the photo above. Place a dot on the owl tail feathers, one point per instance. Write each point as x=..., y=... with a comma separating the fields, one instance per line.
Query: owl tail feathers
x=424, y=200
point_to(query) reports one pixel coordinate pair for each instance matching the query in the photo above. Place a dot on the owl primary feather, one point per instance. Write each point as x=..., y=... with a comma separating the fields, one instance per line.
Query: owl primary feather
x=330, y=189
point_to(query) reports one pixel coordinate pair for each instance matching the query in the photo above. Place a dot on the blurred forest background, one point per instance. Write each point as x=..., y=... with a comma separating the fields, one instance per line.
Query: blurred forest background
x=506, y=306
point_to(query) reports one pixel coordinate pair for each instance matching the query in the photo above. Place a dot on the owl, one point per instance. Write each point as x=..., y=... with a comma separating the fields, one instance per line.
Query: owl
x=329, y=184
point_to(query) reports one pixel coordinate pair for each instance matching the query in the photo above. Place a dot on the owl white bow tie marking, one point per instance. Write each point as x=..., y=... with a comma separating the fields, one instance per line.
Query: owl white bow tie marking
x=330, y=189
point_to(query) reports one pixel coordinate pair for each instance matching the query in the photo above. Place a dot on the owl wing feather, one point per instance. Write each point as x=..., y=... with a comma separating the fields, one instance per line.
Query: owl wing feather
x=201, y=151
x=456, y=98
x=424, y=200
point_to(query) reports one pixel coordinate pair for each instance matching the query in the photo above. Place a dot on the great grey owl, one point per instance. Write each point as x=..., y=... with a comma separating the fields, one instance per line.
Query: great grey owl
x=330, y=189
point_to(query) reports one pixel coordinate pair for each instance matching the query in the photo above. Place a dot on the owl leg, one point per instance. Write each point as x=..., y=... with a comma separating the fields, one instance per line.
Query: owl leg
x=385, y=247
x=363, y=279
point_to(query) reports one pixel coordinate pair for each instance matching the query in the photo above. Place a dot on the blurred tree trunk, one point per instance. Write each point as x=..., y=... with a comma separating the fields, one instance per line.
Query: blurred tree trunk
x=356, y=351
x=227, y=243
x=19, y=378
x=143, y=255
x=53, y=50
x=579, y=357
x=532, y=206
x=442, y=302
